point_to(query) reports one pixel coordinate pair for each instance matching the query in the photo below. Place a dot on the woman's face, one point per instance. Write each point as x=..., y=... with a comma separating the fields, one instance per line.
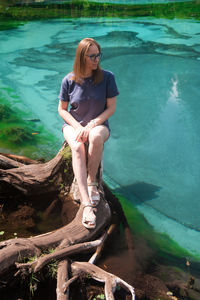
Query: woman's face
x=92, y=58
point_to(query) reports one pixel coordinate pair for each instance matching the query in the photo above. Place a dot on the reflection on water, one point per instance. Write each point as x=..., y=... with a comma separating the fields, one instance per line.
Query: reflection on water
x=153, y=152
x=174, y=91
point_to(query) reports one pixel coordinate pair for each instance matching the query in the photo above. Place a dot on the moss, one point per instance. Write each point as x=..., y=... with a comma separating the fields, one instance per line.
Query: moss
x=158, y=241
x=66, y=153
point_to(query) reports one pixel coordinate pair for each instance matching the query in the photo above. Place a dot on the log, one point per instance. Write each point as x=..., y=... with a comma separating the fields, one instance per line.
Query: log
x=7, y=163
x=38, y=178
x=19, y=158
x=35, y=179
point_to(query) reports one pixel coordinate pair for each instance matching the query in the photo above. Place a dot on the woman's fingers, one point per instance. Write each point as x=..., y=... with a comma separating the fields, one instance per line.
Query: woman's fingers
x=82, y=134
x=78, y=134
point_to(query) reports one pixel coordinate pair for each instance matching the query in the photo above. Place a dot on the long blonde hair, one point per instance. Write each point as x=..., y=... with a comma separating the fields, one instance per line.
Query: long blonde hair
x=79, y=62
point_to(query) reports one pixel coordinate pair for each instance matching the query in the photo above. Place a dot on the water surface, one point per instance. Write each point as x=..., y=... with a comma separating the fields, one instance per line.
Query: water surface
x=152, y=156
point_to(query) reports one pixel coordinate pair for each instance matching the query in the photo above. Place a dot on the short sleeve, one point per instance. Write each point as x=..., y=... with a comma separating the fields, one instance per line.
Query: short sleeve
x=111, y=86
x=64, y=90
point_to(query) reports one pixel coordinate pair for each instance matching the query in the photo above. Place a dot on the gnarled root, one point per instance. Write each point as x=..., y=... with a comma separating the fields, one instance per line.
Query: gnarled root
x=111, y=281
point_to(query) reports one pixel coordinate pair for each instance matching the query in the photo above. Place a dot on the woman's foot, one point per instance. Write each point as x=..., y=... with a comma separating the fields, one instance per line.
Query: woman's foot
x=89, y=218
x=93, y=193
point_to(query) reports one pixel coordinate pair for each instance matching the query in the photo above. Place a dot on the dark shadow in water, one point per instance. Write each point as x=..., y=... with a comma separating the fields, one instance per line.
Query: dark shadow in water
x=139, y=192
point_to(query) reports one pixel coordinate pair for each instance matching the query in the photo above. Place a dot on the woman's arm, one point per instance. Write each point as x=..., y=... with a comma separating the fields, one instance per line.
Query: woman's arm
x=108, y=112
x=67, y=117
x=81, y=135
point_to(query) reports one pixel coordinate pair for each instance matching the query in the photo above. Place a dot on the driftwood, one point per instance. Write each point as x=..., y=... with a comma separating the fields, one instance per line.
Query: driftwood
x=32, y=178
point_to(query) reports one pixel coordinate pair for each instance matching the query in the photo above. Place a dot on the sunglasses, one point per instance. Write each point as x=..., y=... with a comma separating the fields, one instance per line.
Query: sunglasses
x=93, y=57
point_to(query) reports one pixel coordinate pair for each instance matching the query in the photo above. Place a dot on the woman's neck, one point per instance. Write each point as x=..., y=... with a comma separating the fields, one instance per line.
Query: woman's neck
x=87, y=73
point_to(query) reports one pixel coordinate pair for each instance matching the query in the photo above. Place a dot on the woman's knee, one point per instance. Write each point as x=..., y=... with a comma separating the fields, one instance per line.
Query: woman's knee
x=77, y=147
x=98, y=135
x=96, y=139
x=69, y=135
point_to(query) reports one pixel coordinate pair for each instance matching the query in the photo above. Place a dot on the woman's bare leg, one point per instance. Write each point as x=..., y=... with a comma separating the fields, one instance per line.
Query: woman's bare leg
x=79, y=168
x=97, y=137
x=78, y=161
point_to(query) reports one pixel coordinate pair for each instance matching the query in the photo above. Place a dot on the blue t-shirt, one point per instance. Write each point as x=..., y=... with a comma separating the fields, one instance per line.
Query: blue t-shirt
x=88, y=100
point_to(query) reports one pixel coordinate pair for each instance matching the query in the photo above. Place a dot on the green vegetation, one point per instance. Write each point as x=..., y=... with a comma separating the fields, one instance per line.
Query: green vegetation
x=9, y=24
x=6, y=113
x=76, y=9
x=19, y=132
x=18, y=135
x=100, y=296
x=66, y=153
x=33, y=283
x=52, y=268
x=160, y=242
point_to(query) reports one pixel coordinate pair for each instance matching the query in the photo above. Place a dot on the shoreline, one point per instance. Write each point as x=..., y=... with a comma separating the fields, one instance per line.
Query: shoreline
x=77, y=9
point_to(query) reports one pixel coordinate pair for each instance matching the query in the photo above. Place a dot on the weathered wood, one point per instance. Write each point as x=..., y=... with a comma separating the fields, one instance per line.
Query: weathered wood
x=70, y=234
x=39, y=179
x=19, y=158
x=111, y=281
x=7, y=163
x=99, y=249
x=14, y=250
x=62, y=278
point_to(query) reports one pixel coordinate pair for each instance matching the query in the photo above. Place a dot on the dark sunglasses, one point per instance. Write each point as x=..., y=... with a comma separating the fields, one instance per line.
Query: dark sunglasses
x=93, y=57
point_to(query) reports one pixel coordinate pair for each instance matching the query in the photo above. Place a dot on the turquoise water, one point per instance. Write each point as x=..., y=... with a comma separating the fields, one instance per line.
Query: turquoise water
x=152, y=157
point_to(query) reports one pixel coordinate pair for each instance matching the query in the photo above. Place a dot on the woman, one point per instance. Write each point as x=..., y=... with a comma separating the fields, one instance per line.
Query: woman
x=91, y=93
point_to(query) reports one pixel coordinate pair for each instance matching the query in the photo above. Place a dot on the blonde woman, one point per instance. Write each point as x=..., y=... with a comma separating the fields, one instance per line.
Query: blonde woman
x=87, y=99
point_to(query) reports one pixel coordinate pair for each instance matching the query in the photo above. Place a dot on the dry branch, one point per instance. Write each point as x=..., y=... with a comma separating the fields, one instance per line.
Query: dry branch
x=111, y=281
x=39, y=263
x=62, y=277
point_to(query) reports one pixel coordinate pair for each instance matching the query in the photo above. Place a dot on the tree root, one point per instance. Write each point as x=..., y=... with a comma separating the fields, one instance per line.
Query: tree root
x=30, y=178
x=39, y=263
x=111, y=281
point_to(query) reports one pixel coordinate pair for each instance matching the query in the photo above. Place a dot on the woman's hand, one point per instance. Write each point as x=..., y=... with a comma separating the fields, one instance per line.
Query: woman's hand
x=82, y=134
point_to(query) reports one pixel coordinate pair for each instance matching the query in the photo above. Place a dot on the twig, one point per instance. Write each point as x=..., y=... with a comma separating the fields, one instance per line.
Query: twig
x=99, y=249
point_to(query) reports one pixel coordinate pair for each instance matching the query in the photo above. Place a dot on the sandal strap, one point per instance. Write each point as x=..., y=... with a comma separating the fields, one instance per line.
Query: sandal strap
x=87, y=205
x=95, y=198
x=93, y=183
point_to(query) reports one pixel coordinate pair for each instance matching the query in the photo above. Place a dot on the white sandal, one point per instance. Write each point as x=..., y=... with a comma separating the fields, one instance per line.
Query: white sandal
x=94, y=199
x=88, y=222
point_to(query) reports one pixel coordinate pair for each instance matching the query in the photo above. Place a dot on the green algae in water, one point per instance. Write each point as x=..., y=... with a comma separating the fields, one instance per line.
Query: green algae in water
x=10, y=24
x=20, y=133
x=17, y=134
x=160, y=242
x=6, y=114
